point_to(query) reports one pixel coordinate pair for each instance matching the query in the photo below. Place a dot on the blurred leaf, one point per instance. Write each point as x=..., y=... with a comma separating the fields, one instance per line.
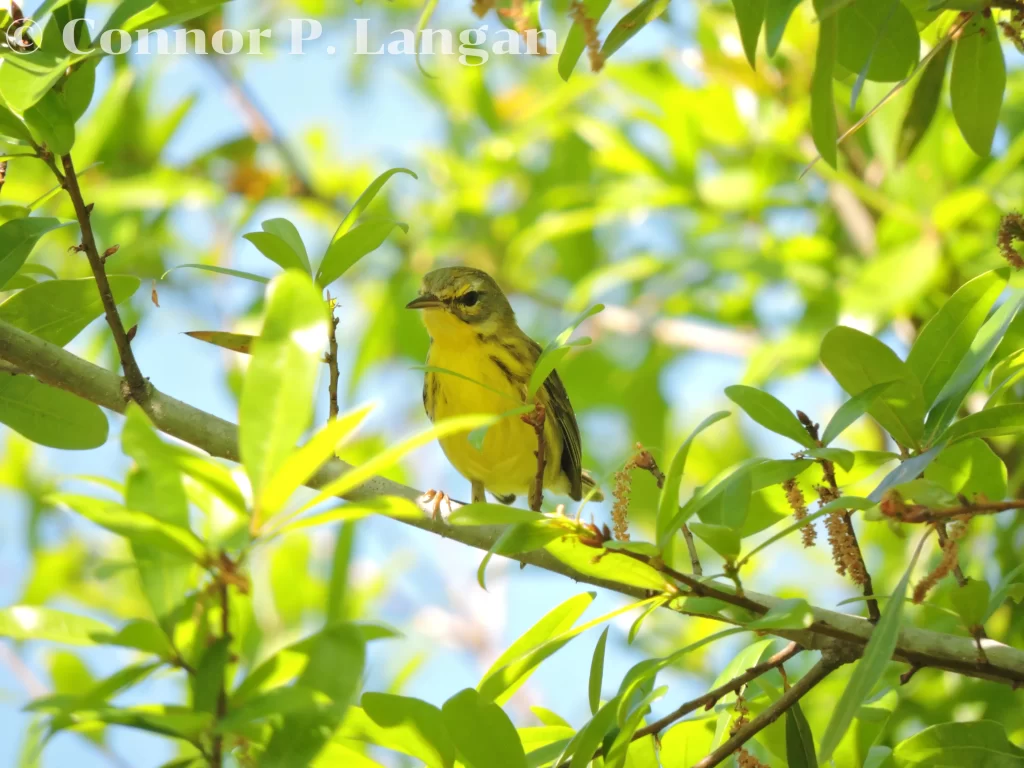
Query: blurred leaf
x=619, y=751
x=852, y=410
x=770, y=413
x=923, y=105
x=792, y=613
x=871, y=666
x=338, y=598
x=970, y=601
x=668, y=501
x=632, y=22
x=350, y=247
x=799, y=739
x=137, y=527
x=597, y=672
x=276, y=249
x=17, y=239
x=419, y=725
x=978, y=743
x=208, y=680
x=556, y=350
x=50, y=416
x=946, y=338
x=723, y=539
x=824, y=128
x=587, y=740
x=29, y=622
x=221, y=271
x=303, y=463
x=277, y=399
x=390, y=506
x=58, y=310
x=236, y=342
x=484, y=737
x=519, y=538
x=484, y=513
x=555, y=622
x=12, y=127
x=1002, y=592
x=969, y=467
x=141, y=635
x=858, y=361
x=843, y=458
x=878, y=37
x=776, y=17
x=977, y=82
x=750, y=18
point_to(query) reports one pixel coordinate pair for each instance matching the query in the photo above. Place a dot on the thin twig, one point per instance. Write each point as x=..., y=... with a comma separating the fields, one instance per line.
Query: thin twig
x=332, y=365
x=709, y=699
x=919, y=513
x=817, y=673
x=217, y=758
x=138, y=388
x=694, y=559
x=535, y=419
x=3, y=174
x=978, y=631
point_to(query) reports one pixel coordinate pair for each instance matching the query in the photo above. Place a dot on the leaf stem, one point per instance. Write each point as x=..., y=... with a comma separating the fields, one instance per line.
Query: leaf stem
x=332, y=365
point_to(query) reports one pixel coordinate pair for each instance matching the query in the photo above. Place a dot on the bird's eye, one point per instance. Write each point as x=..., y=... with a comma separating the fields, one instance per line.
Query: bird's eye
x=469, y=299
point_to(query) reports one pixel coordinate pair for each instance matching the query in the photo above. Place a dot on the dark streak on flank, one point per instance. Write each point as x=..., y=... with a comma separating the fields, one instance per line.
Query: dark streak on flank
x=515, y=352
x=512, y=378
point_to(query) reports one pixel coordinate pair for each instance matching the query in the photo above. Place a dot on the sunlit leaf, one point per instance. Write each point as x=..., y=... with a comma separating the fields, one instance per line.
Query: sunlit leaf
x=350, y=247
x=977, y=82
x=483, y=735
x=30, y=622
x=236, y=342
x=58, y=310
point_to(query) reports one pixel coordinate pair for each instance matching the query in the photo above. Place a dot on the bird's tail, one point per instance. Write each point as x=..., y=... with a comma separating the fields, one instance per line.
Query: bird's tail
x=591, y=490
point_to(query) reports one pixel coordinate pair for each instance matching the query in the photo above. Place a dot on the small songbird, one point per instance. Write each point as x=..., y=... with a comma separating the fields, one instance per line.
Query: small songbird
x=473, y=332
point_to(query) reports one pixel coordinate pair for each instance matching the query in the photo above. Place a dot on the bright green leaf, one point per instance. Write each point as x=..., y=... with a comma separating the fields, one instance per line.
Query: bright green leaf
x=350, y=247
x=977, y=82
x=770, y=413
x=483, y=735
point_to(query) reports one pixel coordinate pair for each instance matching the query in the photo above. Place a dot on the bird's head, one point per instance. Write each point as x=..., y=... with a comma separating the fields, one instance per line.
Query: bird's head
x=462, y=295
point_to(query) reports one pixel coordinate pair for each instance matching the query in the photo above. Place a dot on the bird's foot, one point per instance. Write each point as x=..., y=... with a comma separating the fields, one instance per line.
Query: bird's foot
x=436, y=499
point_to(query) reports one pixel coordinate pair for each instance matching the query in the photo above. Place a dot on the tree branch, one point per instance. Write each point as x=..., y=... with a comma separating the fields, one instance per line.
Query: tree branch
x=825, y=666
x=138, y=388
x=332, y=366
x=57, y=367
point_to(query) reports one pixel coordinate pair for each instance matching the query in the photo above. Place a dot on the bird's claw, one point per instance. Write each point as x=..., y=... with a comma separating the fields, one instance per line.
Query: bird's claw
x=435, y=499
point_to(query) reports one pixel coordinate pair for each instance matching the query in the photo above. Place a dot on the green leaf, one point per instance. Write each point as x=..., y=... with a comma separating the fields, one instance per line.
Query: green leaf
x=220, y=271
x=946, y=338
x=208, y=680
x=858, y=361
x=843, y=458
x=12, y=127
x=908, y=470
x=519, y=538
x=619, y=751
x=1001, y=420
x=977, y=82
x=824, y=128
x=879, y=37
x=335, y=667
x=28, y=78
x=79, y=89
x=58, y=310
x=304, y=462
x=365, y=198
x=501, y=678
x=1002, y=592
x=137, y=527
x=50, y=416
x=723, y=539
x=484, y=737
x=587, y=740
x=597, y=672
x=141, y=635
x=236, y=342
x=770, y=413
x=668, y=501
x=485, y=513
x=51, y=121
x=30, y=622
x=792, y=613
x=350, y=247
x=799, y=739
x=338, y=598
x=556, y=350
x=391, y=456
x=417, y=723
x=776, y=17
x=636, y=19
x=974, y=744
x=969, y=467
x=277, y=397
x=276, y=249
x=285, y=231
x=970, y=601
x=924, y=104
x=750, y=18
x=17, y=239
x=389, y=506
x=556, y=622
x=575, y=40
x=870, y=667
x=852, y=410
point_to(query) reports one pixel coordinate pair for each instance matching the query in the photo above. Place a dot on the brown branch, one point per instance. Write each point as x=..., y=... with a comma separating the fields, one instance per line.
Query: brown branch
x=535, y=419
x=138, y=387
x=692, y=549
x=919, y=513
x=332, y=365
x=3, y=174
x=857, y=567
x=818, y=672
x=57, y=367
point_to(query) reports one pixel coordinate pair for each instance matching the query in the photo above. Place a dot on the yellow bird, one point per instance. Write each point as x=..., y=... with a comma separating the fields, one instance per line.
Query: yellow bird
x=473, y=332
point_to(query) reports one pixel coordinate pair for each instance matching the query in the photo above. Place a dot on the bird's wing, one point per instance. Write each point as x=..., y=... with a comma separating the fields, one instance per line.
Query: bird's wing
x=561, y=409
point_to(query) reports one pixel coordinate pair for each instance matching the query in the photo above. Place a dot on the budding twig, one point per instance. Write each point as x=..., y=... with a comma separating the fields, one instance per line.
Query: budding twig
x=332, y=365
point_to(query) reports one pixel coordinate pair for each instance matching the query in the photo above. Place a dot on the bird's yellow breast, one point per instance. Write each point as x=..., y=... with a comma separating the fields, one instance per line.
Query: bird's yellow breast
x=505, y=461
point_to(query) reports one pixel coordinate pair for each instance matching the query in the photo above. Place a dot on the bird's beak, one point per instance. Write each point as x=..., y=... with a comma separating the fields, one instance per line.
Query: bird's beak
x=426, y=301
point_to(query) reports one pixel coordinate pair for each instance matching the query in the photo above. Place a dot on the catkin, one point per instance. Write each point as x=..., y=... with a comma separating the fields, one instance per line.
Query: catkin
x=950, y=554
x=1011, y=228
x=795, y=497
x=579, y=14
